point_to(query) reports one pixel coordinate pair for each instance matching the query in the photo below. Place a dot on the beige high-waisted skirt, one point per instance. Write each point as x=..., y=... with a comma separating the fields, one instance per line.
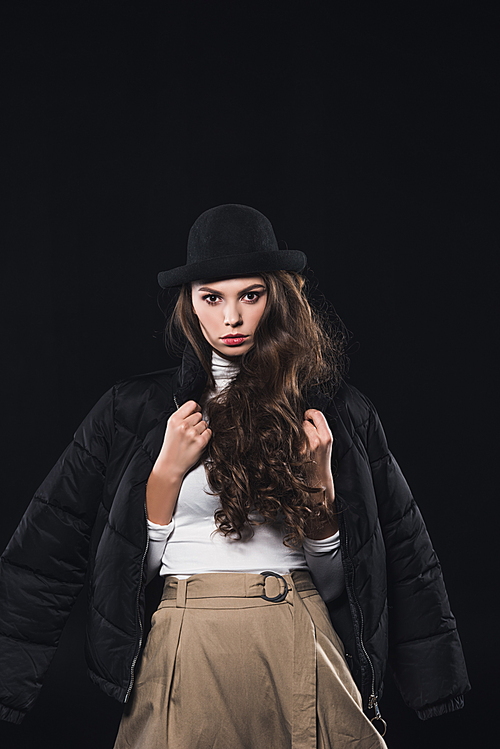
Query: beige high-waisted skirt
x=224, y=668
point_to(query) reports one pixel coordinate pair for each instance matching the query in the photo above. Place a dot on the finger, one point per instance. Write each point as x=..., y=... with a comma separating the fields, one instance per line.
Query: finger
x=310, y=430
x=187, y=408
x=206, y=435
x=311, y=436
x=321, y=424
x=193, y=419
x=201, y=427
x=309, y=415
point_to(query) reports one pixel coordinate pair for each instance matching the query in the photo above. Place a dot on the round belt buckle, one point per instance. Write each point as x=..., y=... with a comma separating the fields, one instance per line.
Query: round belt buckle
x=281, y=596
x=384, y=725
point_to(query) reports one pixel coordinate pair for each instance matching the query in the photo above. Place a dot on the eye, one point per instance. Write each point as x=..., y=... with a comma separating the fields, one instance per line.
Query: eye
x=255, y=297
x=211, y=298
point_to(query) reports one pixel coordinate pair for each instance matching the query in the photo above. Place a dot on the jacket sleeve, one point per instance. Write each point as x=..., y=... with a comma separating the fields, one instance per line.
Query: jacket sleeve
x=43, y=567
x=425, y=653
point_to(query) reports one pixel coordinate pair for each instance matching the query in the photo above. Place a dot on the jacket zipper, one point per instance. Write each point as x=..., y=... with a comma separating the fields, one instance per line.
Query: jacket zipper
x=373, y=698
x=132, y=667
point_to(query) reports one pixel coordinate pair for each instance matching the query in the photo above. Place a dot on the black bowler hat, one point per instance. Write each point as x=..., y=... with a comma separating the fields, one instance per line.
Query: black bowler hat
x=231, y=240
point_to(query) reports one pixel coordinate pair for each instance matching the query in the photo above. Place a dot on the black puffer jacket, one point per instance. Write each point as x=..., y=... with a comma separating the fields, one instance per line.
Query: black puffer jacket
x=89, y=514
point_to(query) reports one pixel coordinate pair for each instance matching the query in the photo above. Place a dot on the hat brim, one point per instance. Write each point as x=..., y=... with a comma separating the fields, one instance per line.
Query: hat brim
x=234, y=265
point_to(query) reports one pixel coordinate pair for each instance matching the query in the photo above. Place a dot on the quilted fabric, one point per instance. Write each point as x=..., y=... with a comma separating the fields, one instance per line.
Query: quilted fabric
x=89, y=515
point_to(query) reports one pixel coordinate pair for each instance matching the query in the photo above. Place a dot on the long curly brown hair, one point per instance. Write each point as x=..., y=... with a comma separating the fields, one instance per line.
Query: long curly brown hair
x=257, y=459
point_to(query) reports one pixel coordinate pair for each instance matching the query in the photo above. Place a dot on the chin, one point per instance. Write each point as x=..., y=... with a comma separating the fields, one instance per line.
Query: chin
x=232, y=353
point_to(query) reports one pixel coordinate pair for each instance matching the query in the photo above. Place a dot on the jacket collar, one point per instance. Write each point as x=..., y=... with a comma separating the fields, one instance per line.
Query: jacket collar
x=191, y=379
x=316, y=398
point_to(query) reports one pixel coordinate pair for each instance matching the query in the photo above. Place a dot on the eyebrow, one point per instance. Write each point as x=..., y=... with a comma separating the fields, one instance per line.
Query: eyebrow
x=243, y=291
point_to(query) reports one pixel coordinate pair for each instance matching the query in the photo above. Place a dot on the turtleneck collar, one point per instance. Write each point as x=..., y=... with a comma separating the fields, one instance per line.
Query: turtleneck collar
x=223, y=370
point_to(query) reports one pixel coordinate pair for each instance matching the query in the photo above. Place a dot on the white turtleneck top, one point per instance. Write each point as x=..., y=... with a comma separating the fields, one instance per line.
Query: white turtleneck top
x=190, y=543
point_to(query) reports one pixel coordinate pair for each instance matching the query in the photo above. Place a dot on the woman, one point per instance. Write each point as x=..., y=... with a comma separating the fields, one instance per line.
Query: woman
x=219, y=475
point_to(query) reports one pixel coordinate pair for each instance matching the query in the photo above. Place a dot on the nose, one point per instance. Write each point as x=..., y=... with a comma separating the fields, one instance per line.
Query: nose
x=232, y=316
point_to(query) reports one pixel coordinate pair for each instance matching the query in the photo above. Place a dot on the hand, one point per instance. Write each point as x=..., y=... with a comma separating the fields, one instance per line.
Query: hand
x=319, y=447
x=186, y=438
x=320, y=443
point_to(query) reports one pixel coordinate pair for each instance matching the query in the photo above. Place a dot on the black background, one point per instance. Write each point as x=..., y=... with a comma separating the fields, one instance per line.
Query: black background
x=370, y=139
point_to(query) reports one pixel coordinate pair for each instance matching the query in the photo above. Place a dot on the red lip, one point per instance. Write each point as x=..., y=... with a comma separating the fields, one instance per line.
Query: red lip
x=234, y=335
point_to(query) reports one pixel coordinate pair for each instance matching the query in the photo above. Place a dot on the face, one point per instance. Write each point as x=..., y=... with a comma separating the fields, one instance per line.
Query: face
x=229, y=311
